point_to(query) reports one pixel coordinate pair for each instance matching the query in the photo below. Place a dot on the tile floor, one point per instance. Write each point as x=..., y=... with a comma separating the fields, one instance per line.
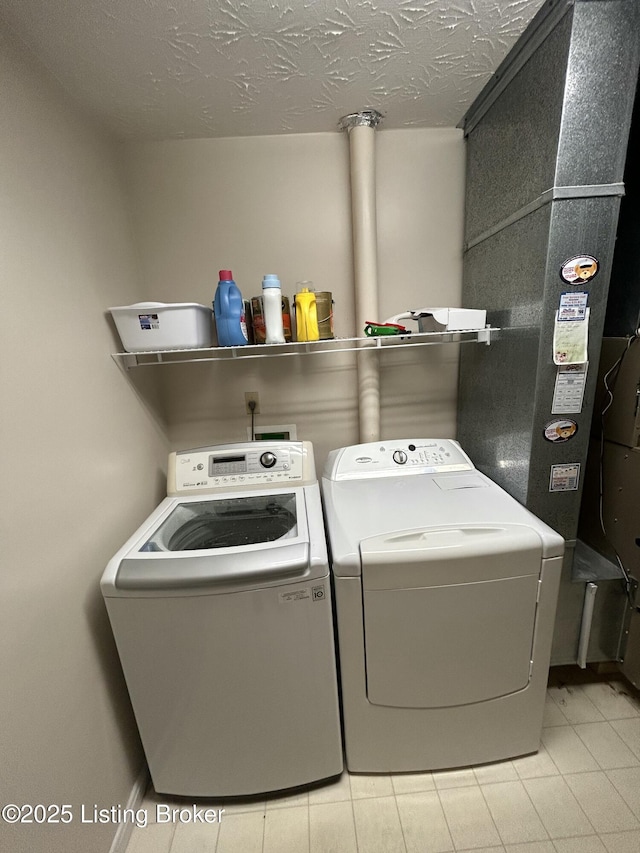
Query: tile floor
x=579, y=794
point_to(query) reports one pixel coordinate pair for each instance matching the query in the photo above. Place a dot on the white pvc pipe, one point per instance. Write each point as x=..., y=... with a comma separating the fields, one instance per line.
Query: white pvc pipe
x=585, y=628
x=365, y=268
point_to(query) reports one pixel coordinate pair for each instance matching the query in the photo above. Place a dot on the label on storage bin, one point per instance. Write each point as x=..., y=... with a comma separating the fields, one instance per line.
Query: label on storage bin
x=149, y=321
x=295, y=595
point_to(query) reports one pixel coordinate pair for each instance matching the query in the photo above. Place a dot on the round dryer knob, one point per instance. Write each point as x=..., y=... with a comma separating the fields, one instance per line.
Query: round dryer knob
x=399, y=456
x=268, y=460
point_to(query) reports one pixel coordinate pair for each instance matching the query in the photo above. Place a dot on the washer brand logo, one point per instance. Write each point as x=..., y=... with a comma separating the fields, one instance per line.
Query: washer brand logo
x=318, y=593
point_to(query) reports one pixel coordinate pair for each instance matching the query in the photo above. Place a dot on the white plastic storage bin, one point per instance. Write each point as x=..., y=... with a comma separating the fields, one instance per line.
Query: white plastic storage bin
x=152, y=326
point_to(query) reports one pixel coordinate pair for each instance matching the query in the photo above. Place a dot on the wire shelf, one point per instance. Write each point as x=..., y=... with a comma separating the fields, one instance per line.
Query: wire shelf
x=127, y=360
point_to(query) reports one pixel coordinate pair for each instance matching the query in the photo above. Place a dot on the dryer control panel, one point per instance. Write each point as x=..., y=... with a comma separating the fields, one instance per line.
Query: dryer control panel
x=397, y=457
x=247, y=465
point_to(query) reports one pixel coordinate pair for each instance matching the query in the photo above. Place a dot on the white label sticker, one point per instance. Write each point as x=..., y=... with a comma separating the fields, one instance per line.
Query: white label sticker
x=564, y=478
x=573, y=307
x=295, y=595
x=569, y=390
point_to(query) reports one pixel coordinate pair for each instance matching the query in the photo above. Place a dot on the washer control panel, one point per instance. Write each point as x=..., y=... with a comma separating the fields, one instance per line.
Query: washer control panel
x=397, y=457
x=248, y=465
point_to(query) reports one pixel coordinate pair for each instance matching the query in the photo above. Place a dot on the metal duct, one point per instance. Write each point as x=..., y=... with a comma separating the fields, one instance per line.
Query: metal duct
x=546, y=148
x=361, y=129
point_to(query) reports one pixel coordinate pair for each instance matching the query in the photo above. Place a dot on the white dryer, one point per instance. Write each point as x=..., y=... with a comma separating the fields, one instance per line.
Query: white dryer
x=220, y=605
x=446, y=592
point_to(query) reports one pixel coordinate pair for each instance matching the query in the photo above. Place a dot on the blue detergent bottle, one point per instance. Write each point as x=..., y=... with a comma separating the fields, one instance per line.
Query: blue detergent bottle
x=228, y=309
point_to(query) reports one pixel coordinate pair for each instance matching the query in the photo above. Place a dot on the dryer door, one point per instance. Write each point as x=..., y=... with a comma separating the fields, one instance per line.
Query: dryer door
x=449, y=614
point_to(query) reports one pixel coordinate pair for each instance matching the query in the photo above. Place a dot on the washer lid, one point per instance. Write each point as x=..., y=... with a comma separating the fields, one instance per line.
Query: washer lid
x=226, y=523
x=221, y=541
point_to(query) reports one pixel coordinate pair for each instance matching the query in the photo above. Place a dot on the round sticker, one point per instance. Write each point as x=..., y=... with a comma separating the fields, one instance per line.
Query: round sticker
x=579, y=269
x=561, y=430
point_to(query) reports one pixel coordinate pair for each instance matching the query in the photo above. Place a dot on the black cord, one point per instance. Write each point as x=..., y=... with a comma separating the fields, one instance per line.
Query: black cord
x=615, y=370
x=252, y=408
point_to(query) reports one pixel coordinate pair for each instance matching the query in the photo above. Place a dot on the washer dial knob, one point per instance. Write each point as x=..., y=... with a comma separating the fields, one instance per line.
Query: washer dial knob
x=268, y=460
x=399, y=456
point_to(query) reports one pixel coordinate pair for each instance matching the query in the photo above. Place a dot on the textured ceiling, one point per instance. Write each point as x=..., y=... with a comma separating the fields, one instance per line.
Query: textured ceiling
x=159, y=69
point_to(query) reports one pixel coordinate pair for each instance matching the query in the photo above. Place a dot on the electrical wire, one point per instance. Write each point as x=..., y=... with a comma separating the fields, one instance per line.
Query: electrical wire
x=252, y=408
x=613, y=373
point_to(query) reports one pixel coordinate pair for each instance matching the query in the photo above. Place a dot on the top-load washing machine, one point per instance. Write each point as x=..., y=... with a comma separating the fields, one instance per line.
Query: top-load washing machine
x=445, y=592
x=220, y=605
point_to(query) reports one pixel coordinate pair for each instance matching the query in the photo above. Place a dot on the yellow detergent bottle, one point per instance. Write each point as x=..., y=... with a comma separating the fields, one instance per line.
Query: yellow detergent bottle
x=306, y=315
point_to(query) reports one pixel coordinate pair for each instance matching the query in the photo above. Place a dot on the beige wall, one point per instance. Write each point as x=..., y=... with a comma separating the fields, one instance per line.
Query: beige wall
x=81, y=462
x=83, y=445
x=282, y=205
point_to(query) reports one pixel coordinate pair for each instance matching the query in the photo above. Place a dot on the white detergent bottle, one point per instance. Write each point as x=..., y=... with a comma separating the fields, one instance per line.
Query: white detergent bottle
x=272, y=309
